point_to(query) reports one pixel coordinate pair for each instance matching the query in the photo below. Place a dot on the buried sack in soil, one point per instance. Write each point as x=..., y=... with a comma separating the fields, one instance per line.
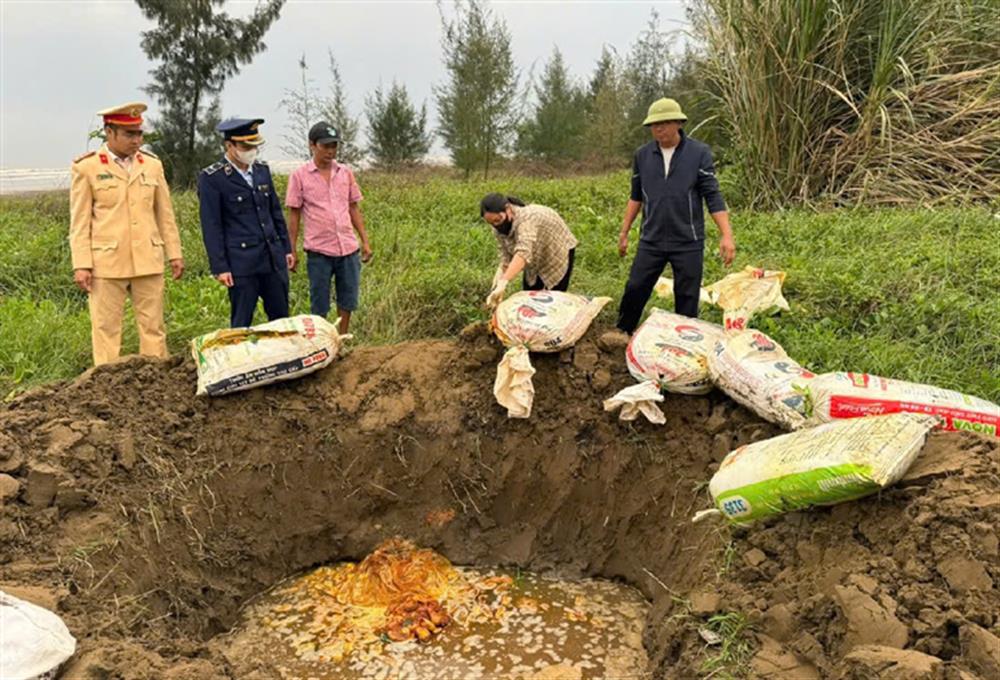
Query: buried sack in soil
x=536, y=321
x=824, y=465
x=234, y=359
x=667, y=353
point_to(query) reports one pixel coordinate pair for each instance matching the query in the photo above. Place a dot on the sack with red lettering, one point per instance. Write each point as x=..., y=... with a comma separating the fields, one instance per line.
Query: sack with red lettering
x=739, y=295
x=852, y=395
x=672, y=350
x=668, y=353
x=234, y=359
x=536, y=321
x=756, y=372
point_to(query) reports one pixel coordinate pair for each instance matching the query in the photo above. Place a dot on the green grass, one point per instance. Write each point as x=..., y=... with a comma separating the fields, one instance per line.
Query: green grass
x=907, y=293
x=730, y=659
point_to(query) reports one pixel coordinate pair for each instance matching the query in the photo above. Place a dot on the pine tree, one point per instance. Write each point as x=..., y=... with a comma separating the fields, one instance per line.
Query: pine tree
x=476, y=117
x=607, y=67
x=647, y=66
x=397, y=133
x=333, y=109
x=302, y=107
x=555, y=130
x=198, y=48
x=608, y=126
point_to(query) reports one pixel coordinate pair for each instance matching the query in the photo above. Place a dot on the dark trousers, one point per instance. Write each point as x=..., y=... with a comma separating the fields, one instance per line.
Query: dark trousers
x=271, y=288
x=646, y=269
x=562, y=285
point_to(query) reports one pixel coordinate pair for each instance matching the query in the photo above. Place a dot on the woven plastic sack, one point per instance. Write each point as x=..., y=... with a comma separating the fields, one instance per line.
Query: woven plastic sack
x=536, y=321
x=740, y=295
x=850, y=395
x=668, y=352
x=234, y=359
x=756, y=372
x=743, y=294
x=34, y=642
x=823, y=465
x=672, y=350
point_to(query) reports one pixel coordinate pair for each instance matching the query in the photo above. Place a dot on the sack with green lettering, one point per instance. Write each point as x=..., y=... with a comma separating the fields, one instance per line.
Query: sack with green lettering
x=829, y=464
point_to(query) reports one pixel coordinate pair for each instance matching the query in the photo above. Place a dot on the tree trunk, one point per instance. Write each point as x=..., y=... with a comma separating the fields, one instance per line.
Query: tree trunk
x=488, y=141
x=192, y=125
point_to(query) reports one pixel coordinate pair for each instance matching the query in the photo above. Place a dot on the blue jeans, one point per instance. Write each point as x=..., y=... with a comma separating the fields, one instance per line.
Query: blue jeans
x=345, y=270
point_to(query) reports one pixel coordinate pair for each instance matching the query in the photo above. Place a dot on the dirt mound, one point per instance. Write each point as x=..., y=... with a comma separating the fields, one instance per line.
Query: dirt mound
x=842, y=591
x=148, y=516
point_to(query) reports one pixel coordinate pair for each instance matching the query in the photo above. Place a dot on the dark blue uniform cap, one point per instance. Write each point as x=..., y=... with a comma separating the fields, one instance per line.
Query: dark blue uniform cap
x=241, y=130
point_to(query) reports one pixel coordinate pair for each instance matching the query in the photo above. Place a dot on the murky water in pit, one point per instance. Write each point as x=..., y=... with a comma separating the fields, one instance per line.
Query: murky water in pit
x=526, y=626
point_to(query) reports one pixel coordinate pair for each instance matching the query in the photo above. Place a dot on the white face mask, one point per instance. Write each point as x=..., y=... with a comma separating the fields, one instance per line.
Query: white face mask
x=247, y=157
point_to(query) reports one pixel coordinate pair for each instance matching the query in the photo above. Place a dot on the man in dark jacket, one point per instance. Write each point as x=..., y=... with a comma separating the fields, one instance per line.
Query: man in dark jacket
x=243, y=226
x=671, y=177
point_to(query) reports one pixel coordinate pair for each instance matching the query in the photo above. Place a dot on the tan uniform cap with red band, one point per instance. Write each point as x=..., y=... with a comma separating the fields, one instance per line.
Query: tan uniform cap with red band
x=126, y=114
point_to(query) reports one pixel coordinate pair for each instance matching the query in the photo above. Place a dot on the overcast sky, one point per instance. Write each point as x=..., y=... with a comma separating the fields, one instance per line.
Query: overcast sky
x=62, y=60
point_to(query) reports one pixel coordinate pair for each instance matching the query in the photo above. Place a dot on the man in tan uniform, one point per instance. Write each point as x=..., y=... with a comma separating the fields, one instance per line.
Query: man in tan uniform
x=121, y=228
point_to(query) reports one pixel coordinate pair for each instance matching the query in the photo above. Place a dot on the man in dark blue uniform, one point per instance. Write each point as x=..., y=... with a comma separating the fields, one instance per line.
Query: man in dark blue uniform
x=672, y=177
x=243, y=226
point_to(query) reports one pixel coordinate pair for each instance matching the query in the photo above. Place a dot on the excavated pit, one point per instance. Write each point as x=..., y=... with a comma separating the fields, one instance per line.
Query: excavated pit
x=147, y=517
x=493, y=624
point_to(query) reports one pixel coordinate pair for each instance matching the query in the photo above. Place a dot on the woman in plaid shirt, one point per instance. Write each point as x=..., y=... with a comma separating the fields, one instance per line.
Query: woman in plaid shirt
x=533, y=241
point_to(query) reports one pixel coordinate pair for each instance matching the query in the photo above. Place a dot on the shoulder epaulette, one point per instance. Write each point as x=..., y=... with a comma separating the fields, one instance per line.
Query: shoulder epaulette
x=150, y=154
x=213, y=167
x=86, y=155
x=260, y=162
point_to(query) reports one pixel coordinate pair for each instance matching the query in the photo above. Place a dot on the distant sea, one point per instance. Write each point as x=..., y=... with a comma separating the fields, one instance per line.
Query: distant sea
x=27, y=180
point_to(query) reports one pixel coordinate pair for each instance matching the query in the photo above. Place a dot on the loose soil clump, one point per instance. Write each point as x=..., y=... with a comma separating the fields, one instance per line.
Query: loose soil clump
x=146, y=517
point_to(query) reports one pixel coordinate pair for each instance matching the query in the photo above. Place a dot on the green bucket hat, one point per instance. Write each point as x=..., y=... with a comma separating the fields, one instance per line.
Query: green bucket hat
x=663, y=110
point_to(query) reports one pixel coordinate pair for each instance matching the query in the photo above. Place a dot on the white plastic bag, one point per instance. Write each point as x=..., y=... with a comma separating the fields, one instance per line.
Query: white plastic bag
x=823, y=465
x=664, y=288
x=536, y=321
x=850, y=395
x=636, y=400
x=756, y=372
x=34, y=641
x=234, y=359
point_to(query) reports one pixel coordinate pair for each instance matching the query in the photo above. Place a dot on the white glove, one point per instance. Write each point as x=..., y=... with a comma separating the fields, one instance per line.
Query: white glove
x=496, y=297
x=497, y=276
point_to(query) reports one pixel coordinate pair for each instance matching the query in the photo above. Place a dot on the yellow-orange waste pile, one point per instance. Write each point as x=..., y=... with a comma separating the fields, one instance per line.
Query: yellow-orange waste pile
x=399, y=592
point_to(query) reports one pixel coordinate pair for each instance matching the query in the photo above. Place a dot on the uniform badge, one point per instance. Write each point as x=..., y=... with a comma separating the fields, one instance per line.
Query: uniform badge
x=105, y=175
x=228, y=169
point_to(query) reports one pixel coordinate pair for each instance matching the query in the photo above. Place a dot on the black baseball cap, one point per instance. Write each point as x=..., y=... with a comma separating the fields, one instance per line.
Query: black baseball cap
x=323, y=133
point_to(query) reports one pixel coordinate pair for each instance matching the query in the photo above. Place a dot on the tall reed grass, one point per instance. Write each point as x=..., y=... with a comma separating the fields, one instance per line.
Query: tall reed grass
x=857, y=101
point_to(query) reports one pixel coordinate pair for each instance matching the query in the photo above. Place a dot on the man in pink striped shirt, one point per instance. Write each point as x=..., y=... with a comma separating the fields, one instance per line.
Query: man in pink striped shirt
x=326, y=193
